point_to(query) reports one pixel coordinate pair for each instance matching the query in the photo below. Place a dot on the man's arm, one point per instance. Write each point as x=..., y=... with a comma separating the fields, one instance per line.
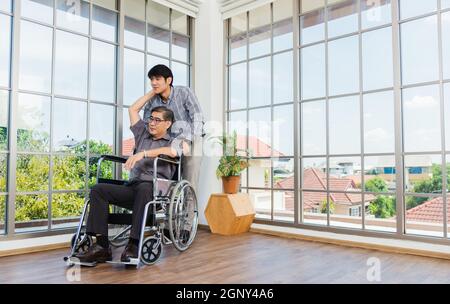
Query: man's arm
x=134, y=109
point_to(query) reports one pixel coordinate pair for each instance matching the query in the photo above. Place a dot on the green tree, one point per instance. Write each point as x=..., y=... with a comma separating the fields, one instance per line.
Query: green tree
x=382, y=207
x=323, y=208
x=376, y=184
x=432, y=185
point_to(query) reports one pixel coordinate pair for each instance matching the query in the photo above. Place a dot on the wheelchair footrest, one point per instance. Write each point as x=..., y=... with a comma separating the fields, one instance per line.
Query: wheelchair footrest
x=71, y=261
x=134, y=262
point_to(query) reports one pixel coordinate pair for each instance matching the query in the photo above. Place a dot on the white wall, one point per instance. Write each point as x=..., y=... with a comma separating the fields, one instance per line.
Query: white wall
x=208, y=86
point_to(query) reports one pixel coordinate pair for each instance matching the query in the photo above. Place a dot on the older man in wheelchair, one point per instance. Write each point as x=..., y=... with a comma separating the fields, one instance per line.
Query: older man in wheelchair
x=156, y=194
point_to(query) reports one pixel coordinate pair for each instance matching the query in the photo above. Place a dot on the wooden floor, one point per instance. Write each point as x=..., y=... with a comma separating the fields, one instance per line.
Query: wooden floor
x=247, y=258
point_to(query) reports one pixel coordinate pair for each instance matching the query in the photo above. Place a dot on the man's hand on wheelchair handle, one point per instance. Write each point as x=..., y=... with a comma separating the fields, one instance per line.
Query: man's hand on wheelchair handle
x=132, y=160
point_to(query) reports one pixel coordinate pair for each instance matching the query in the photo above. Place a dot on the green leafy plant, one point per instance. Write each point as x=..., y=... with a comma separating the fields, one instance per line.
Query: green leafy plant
x=234, y=160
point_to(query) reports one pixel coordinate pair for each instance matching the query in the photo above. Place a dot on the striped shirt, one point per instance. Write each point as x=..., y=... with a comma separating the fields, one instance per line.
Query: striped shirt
x=189, y=118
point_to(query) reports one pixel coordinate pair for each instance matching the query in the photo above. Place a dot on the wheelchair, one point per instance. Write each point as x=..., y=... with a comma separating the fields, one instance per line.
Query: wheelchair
x=175, y=218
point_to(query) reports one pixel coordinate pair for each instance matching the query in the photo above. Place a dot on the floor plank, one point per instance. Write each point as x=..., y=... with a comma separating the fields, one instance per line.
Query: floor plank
x=246, y=258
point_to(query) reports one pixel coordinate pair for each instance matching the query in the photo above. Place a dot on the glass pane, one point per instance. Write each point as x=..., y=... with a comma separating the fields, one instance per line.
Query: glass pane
x=158, y=14
x=134, y=33
x=69, y=172
x=259, y=173
x=35, y=57
x=135, y=9
x=238, y=122
x=259, y=82
x=283, y=82
x=283, y=206
x=238, y=48
x=377, y=59
x=180, y=74
x=134, y=76
x=345, y=210
x=344, y=128
x=283, y=130
x=314, y=175
x=423, y=174
x=66, y=209
x=379, y=174
x=128, y=138
x=375, y=13
x=238, y=86
x=259, y=42
x=4, y=113
x=283, y=173
x=445, y=4
x=446, y=44
x=262, y=202
x=282, y=9
x=310, y=5
x=424, y=215
x=180, y=48
x=260, y=132
x=73, y=15
x=101, y=129
x=158, y=42
x=312, y=76
x=71, y=62
x=238, y=24
x=32, y=172
x=379, y=135
x=41, y=10
x=33, y=123
x=68, y=130
x=412, y=8
x=282, y=35
x=103, y=72
x=31, y=213
x=5, y=5
x=342, y=18
x=179, y=22
x=314, y=128
x=104, y=23
x=419, y=64
x=259, y=16
x=345, y=174
x=106, y=170
x=447, y=114
x=343, y=66
x=110, y=4
x=421, y=108
x=5, y=49
x=312, y=27
x=3, y=174
x=313, y=203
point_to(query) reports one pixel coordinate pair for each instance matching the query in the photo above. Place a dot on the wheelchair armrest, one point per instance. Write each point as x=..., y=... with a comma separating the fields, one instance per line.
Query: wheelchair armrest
x=113, y=158
x=174, y=160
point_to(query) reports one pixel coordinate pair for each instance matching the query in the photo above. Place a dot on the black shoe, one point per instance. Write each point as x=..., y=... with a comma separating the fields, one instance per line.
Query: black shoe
x=95, y=254
x=130, y=252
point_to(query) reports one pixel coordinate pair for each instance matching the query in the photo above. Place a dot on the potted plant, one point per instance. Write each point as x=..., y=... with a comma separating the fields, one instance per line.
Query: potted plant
x=232, y=163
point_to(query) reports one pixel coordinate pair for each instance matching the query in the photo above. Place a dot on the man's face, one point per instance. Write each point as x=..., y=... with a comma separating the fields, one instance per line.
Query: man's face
x=159, y=84
x=157, y=126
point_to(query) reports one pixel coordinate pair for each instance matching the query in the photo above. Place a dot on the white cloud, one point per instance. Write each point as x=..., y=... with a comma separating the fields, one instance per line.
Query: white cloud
x=421, y=102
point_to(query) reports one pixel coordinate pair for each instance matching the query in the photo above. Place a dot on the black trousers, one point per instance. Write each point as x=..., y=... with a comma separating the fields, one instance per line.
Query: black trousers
x=133, y=197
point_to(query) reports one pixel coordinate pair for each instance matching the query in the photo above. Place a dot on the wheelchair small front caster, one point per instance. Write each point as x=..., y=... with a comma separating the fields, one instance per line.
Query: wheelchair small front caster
x=83, y=242
x=151, y=250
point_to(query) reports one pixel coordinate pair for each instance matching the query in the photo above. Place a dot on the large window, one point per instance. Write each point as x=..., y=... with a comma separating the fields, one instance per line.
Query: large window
x=369, y=95
x=261, y=105
x=69, y=100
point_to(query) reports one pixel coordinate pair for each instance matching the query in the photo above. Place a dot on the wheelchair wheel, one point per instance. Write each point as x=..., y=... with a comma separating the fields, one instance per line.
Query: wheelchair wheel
x=151, y=250
x=83, y=242
x=183, y=215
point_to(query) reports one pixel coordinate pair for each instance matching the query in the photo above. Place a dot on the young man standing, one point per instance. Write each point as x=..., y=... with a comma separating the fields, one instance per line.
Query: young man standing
x=189, y=120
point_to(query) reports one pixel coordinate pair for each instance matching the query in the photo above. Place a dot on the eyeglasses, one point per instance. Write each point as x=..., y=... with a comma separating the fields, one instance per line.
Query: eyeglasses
x=156, y=120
